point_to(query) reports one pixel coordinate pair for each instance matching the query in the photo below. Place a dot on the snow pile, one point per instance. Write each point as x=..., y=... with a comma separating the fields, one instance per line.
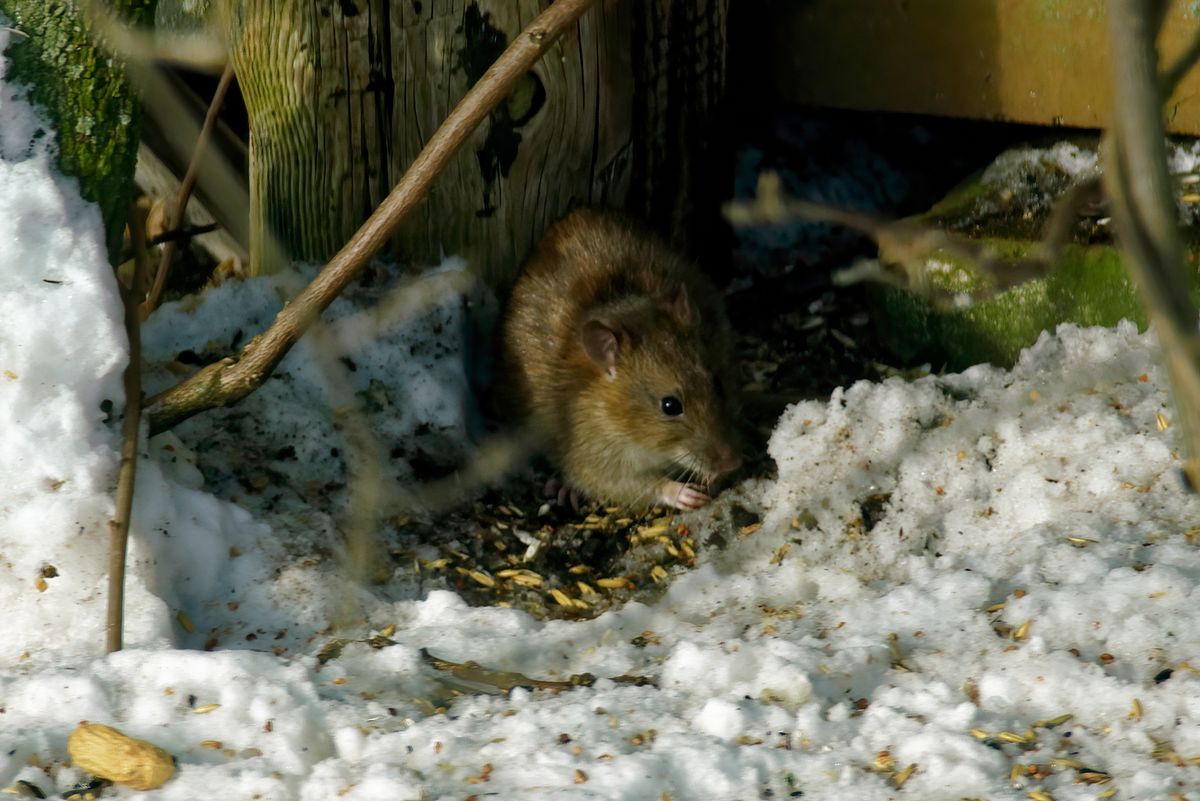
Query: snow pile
x=969, y=586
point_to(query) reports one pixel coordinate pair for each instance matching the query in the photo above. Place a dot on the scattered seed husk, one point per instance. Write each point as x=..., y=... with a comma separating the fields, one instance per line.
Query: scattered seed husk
x=24, y=789
x=897, y=655
x=1040, y=795
x=528, y=579
x=486, y=680
x=1012, y=737
x=615, y=583
x=657, y=573
x=1135, y=710
x=1022, y=630
x=204, y=709
x=1089, y=776
x=482, y=578
x=903, y=776
x=185, y=622
x=1058, y=721
x=561, y=598
x=332, y=650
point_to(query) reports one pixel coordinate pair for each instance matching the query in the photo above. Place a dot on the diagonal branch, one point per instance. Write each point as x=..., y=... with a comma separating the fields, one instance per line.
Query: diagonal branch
x=228, y=381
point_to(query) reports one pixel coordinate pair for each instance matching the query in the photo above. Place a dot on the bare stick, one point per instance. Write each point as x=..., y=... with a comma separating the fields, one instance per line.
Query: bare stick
x=1139, y=186
x=228, y=381
x=185, y=192
x=119, y=526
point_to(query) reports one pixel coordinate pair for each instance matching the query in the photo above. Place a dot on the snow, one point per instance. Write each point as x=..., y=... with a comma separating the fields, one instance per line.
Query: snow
x=946, y=567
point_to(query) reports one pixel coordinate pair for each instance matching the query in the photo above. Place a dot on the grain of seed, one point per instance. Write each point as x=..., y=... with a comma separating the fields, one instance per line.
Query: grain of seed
x=1094, y=777
x=204, y=709
x=482, y=578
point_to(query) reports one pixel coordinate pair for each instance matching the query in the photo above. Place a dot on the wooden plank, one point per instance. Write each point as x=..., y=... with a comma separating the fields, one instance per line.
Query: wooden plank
x=1034, y=61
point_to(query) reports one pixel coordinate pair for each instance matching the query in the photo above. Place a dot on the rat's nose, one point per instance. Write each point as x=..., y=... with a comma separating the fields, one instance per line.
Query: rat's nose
x=727, y=459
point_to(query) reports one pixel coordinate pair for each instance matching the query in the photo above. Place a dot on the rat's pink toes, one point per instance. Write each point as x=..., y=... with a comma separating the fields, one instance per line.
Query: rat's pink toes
x=682, y=496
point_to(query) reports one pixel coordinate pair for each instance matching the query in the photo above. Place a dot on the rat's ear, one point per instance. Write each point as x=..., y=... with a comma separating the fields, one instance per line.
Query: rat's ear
x=602, y=343
x=681, y=307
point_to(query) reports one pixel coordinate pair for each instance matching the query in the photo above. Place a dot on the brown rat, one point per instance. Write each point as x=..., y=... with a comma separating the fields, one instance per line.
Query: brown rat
x=620, y=358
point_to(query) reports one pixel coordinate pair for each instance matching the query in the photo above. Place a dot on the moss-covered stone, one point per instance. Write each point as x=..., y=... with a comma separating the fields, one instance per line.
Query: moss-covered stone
x=86, y=96
x=1089, y=287
x=1005, y=208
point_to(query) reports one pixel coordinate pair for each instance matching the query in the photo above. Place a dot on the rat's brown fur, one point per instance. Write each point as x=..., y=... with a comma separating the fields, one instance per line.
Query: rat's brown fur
x=599, y=280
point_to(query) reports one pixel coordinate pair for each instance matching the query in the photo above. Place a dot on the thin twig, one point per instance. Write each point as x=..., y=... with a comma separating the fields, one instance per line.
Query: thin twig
x=185, y=192
x=119, y=525
x=178, y=234
x=1139, y=186
x=905, y=242
x=228, y=381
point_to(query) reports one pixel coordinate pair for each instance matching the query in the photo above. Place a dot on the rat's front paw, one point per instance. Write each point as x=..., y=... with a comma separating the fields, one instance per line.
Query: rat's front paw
x=682, y=496
x=562, y=493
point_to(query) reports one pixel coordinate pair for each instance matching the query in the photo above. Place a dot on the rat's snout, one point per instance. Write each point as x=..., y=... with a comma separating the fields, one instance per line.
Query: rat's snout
x=727, y=459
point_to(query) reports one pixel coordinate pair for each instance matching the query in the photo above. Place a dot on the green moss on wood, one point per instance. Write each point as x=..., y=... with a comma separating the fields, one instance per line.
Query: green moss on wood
x=85, y=94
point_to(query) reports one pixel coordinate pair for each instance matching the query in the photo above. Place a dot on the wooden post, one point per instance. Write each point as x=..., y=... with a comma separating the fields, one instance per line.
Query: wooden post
x=343, y=95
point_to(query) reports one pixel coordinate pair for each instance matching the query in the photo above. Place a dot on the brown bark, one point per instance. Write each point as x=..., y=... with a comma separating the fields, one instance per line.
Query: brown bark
x=342, y=96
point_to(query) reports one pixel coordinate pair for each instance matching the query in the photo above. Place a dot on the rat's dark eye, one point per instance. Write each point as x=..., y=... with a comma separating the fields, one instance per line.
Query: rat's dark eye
x=672, y=406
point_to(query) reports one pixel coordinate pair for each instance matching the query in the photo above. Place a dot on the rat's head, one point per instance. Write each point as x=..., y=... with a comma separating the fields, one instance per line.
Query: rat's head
x=656, y=391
